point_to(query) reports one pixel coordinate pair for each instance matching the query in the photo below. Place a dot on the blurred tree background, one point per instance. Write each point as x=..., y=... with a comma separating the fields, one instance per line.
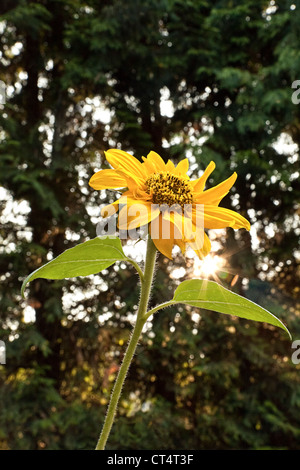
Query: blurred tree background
x=210, y=80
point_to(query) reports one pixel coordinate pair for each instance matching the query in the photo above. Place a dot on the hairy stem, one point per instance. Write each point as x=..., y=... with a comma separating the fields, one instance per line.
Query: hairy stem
x=146, y=283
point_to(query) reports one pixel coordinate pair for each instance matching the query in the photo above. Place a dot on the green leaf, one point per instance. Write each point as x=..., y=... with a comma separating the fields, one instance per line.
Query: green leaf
x=87, y=258
x=212, y=296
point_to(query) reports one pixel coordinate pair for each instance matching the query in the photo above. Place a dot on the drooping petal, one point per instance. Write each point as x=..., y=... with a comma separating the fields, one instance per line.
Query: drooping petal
x=219, y=217
x=195, y=235
x=110, y=209
x=162, y=233
x=198, y=185
x=107, y=179
x=204, y=249
x=181, y=244
x=181, y=225
x=215, y=195
x=164, y=246
x=136, y=214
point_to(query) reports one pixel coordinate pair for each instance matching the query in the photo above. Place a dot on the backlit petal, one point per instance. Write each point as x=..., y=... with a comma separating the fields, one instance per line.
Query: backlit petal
x=162, y=236
x=164, y=246
x=215, y=195
x=181, y=244
x=156, y=161
x=110, y=209
x=106, y=179
x=219, y=217
x=198, y=185
x=137, y=214
x=149, y=166
x=182, y=167
x=124, y=161
x=205, y=248
x=170, y=166
x=182, y=226
x=134, y=197
x=132, y=181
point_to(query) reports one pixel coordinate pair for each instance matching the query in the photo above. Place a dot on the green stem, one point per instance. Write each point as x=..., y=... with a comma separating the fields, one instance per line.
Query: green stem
x=159, y=307
x=140, y=272
x=146, y=283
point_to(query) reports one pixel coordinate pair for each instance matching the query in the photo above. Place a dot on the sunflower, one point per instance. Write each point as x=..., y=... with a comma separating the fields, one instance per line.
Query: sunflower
x=177, y=210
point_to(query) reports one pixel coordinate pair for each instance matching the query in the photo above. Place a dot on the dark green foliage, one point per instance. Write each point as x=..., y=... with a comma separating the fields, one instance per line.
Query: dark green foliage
x=196, y=382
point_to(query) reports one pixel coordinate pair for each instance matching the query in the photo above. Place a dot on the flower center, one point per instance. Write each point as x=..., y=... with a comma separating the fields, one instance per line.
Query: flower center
x=169, y=189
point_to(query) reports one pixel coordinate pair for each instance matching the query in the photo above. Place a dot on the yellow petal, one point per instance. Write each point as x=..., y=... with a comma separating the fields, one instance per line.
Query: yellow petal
x=162, y=238
x=175, y=220
x=149, y=166
x=121, y=160
x=202, y=251
x=134, y=197
x=181, y=244
x=194, y=233
x=137, y=214
x=164, y=246
x=219, y=217
x=106, y=179
x=182, y=167
x=110, y=209
x=132, y=181
x=215, y=195
x=156, y=161
x=170, y=166
x=164, y=233
x=198, y=185
x=140, y=193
